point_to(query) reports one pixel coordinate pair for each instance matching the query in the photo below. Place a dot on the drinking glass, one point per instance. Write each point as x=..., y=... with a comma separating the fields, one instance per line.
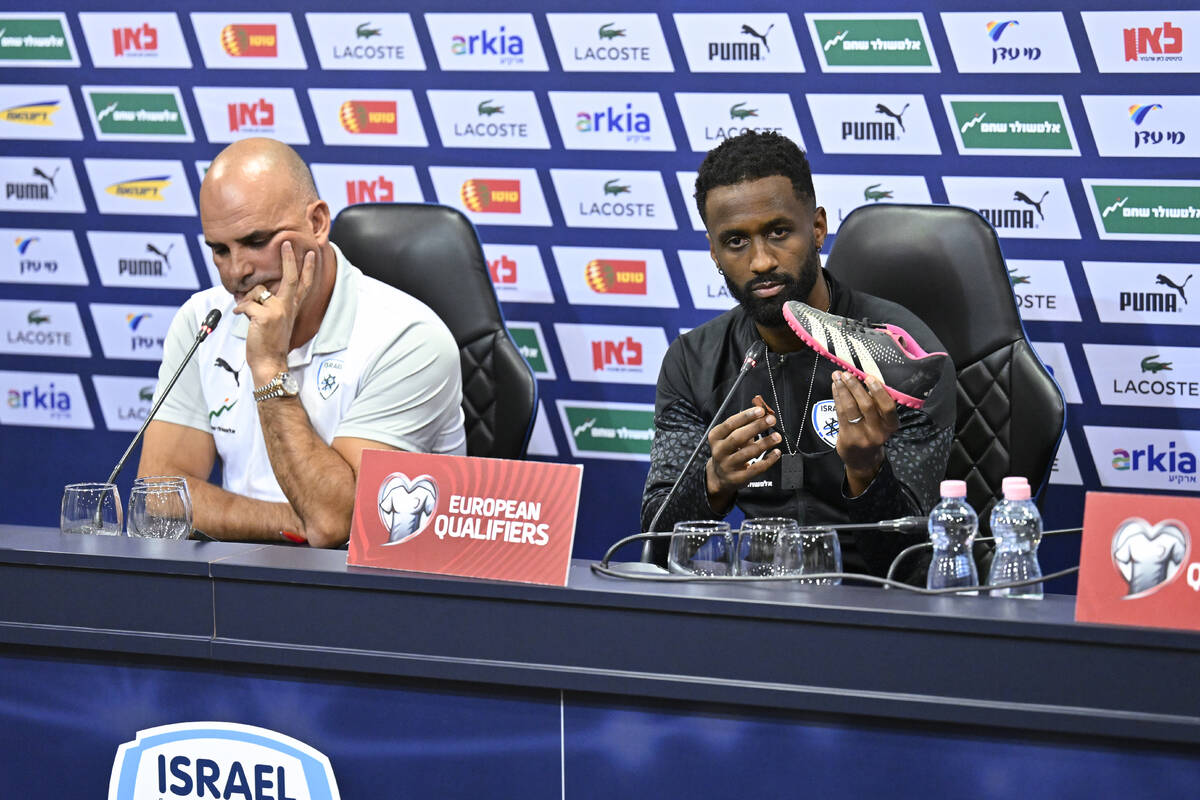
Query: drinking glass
x=809, y=552
x=91, y=508
x=757, y=543
x=160, y=508
x=701, y=547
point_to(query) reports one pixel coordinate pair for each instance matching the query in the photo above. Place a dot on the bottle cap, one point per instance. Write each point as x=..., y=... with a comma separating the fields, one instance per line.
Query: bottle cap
x=1016, y=491
x=1018, y=480
x=954, y=488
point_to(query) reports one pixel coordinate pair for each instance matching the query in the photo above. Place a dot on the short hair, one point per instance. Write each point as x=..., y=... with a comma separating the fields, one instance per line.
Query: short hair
x=750, y=156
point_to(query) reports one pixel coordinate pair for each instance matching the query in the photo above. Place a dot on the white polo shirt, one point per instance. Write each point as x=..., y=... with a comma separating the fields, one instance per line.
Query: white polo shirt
x=382, y=367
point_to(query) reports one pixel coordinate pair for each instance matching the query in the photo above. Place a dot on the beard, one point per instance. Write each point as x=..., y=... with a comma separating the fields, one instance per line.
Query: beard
x=768, y=311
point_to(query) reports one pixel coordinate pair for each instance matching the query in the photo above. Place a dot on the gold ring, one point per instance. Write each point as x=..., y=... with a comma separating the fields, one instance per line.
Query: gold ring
x=264, y=297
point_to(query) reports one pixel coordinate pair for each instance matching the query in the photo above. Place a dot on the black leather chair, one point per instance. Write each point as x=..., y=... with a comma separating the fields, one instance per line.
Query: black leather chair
x=432, y=253
x=944, y=264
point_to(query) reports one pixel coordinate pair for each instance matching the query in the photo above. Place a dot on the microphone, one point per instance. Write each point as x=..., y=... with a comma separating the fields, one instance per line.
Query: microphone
x=206, y=327
x=753, y=354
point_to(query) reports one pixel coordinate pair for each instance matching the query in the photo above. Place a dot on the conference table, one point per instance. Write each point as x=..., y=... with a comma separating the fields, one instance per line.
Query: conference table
x=422, y=686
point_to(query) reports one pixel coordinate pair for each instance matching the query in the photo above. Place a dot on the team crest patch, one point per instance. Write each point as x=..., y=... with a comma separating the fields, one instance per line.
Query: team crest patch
x=825, y=421
x=329, y=377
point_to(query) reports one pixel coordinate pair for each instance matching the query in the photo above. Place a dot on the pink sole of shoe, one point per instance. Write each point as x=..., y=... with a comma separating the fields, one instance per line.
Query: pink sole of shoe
x=798, y=329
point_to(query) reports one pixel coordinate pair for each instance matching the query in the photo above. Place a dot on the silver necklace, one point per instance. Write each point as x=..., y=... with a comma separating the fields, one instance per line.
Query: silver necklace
x=779, y=412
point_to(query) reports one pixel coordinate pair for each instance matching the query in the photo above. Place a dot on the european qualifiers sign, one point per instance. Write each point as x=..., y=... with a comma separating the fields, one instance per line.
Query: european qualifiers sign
x=473, y=517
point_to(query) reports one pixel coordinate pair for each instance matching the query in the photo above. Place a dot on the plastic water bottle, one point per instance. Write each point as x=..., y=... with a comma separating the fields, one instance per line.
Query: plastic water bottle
x=952, y=527
x=1017, y=526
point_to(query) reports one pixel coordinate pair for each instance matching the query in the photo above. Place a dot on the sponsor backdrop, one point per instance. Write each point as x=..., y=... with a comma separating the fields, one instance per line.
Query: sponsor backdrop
x=571, y=140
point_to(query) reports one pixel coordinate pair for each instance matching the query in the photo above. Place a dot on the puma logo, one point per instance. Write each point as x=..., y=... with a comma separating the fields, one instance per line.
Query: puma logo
x=150, y=248
x=880, y=108
x=1037, y=204
x=50, y=178
x=746, y=29
x=1163, y=280
x=223, y=364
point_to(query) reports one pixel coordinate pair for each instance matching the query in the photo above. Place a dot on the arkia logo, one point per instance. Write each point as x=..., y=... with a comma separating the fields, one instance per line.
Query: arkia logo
x=39, y=399
x=492, y=195
x=1158, y=302
x=406, y=506
x=609, y=120
x=750, y=49
x=151, y=188
x=377, y=191
x=251, y=116
x=32, y=190
x=503, y=270
x=224, y=759
x=489, y=44
x=872, y=131
x=368, y=116
x=250, y=41
x=616, y=354
x=135, y=41
x=1154, y=44
x=614, y=276
x=31, y=113
x=1178, y=465
x=1149, y=556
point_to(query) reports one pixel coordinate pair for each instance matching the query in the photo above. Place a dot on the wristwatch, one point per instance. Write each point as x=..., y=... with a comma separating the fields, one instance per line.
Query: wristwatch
x=282, y=385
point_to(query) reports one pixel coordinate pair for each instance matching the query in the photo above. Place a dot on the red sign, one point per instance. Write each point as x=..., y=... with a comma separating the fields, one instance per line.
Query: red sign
x=499, y=196
x=1167, y=39
x=368, y=116
x=251, y=115
x=473, y=517
x=1136, y=563
x=126, y=39
x=376, y=191
x=614, y=276
x=608, y=353
x=503, y=270
x=249, y=40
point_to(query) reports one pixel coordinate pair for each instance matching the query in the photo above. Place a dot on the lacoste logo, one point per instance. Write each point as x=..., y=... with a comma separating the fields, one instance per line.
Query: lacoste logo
x=762, y=37
x=150, y=248
x=1120, y=202
x=1163, y=280
x=972, y=122
x=363, y=31
x=836, y=40
x=486, y=110
x=737, y=112
x=223, y=364
x=873, y=192
x=49, y=178
x=104, y=112
x=607, y=31
x=610, y=187
x=1015, y=279
x=219, y=411
x=146, y=394
x=1037, y=204
x=36, y=317
x=583, y=428
x=880, y=108
x=1152, y=366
